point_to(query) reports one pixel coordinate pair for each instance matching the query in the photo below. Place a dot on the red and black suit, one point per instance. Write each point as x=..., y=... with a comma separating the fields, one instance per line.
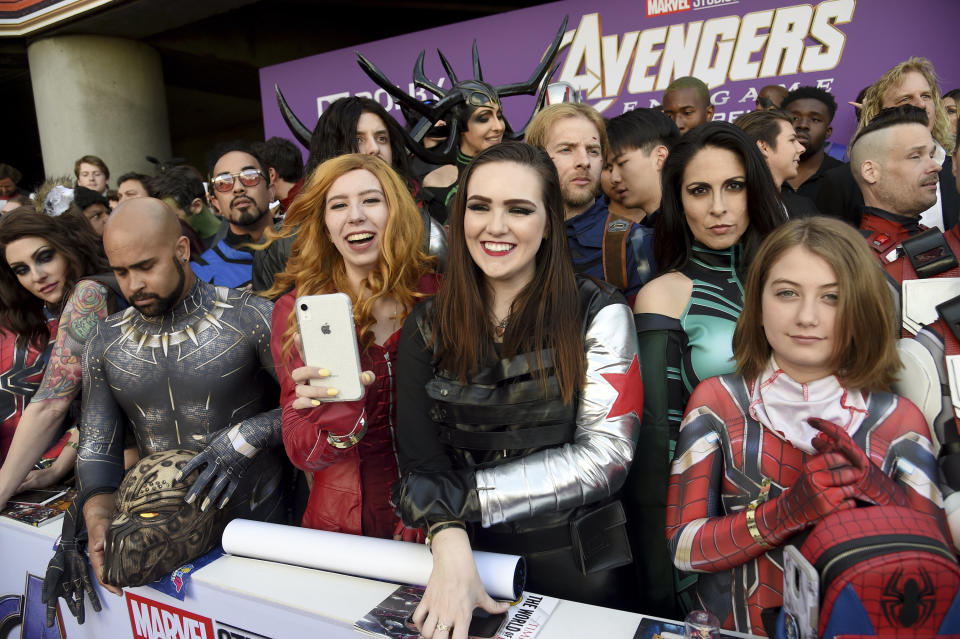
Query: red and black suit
x=885, y=233
x=725, y=459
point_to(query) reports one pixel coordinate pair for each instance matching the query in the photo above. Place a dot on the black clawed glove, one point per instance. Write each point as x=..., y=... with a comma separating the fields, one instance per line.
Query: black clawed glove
x=68, y=573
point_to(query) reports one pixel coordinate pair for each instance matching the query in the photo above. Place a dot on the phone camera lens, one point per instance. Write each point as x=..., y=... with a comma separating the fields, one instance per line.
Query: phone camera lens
x=303, y=307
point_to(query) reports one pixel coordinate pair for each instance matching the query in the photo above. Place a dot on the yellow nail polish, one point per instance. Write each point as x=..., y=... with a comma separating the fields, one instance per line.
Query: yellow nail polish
x=315, y=402
x=322, y=372
x=332, y=392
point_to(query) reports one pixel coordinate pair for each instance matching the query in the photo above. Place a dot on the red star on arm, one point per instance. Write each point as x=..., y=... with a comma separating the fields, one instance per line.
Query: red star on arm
x=629, y=387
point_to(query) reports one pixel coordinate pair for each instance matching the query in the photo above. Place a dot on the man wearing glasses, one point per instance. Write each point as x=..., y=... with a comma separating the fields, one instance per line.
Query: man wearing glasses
x=241, y=187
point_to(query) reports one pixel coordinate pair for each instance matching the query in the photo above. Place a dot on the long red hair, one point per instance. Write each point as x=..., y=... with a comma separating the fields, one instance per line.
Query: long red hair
x=316, y=267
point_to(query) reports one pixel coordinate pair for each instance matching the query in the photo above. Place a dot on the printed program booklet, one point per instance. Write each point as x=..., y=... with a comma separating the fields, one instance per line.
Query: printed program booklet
x=390, y=619
x=39, y=514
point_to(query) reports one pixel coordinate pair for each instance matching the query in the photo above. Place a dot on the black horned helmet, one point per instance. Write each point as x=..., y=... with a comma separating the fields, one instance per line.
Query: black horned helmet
x=454, y=106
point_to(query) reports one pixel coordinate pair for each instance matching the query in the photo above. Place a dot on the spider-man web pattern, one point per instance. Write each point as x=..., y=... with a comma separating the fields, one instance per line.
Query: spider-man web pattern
x=725, y=459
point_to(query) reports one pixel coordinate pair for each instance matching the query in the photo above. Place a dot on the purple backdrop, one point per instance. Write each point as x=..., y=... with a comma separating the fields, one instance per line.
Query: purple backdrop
x=623, y=53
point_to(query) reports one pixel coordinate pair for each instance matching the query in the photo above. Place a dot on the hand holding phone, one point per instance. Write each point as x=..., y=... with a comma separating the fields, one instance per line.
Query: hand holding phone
x=329, y=347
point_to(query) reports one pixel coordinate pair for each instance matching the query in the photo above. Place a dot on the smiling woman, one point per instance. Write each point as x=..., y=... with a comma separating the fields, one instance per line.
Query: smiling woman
x=359, y=233
x=518, y=401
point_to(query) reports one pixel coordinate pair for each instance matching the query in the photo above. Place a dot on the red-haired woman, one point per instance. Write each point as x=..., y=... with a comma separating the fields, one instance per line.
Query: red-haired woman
x=519, y=399
x=360, y=233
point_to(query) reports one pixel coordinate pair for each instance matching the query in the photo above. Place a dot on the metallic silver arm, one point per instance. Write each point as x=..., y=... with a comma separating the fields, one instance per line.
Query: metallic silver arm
x=595, y=465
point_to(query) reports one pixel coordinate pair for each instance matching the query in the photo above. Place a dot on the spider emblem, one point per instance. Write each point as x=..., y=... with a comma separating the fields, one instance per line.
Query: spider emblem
x=909, y=603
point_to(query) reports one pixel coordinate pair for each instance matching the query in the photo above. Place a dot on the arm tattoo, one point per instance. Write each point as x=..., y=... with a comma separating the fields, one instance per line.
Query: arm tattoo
x=87, y=306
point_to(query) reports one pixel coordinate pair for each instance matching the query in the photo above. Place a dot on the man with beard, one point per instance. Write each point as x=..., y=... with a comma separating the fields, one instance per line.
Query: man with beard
x=187, y=366
x=242, y=190
x=812, y=109
x=602, y=245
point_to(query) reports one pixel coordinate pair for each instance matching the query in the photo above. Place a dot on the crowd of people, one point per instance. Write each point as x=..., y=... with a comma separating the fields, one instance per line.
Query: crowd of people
x=669, y=338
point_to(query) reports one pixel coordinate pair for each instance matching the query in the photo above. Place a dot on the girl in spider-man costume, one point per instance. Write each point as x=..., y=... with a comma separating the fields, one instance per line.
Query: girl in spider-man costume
x=804, y=428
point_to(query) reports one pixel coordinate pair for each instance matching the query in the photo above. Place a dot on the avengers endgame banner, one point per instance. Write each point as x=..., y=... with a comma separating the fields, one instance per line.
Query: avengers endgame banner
x=622, y=54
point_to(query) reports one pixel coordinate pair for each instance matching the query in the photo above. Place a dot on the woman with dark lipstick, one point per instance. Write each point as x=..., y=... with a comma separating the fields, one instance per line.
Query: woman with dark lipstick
x=44, y=261
x=719, y=201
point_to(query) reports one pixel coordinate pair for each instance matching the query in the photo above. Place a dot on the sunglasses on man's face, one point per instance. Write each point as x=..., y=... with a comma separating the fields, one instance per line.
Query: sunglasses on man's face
x=248, y=177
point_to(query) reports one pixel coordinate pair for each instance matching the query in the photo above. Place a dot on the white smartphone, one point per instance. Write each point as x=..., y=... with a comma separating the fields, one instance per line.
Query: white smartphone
x=330, y=341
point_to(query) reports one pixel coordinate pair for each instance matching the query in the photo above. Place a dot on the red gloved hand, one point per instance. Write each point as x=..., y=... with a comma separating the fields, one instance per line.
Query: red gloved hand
x=402, y=533
x=872, y=485
x=824, y=486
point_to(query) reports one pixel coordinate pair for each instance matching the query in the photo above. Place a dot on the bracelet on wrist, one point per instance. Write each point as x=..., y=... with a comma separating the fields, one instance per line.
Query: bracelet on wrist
x=431, y=532
x=350, y=439
x=752, y=513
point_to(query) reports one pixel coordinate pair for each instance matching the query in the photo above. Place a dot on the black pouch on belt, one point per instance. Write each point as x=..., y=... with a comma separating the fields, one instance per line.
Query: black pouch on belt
x=929, y=253
x=600, y=540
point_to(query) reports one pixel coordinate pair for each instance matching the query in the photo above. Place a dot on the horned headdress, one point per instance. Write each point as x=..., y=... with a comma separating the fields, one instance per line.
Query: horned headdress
x=462, y=96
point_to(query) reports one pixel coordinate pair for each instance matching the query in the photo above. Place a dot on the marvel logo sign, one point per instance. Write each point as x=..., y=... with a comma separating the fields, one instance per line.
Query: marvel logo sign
x=153, y=620
x=663, y=7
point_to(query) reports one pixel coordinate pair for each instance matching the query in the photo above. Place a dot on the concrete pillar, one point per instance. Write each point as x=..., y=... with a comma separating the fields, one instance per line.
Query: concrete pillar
x=99, y=96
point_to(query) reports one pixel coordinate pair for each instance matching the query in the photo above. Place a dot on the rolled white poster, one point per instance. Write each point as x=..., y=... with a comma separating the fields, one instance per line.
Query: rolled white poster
x=401, y=562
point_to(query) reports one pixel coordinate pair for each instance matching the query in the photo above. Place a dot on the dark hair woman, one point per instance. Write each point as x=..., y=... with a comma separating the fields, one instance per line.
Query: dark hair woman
x=481, y=126
x=518, y=396
x=805, y=427
x=44, y=258
x=719, y=201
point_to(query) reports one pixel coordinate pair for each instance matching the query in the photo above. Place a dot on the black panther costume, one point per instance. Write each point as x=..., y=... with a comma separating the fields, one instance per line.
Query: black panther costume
x=199, y=377
x=201, y=373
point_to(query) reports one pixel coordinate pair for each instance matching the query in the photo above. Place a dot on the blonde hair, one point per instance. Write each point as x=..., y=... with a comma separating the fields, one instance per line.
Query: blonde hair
x=539, y=127
x=316, y=267
x=873, y=99
x=866, y=326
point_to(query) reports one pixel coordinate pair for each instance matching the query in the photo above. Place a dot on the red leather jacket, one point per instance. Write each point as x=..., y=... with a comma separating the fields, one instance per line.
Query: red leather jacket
x=351, y=486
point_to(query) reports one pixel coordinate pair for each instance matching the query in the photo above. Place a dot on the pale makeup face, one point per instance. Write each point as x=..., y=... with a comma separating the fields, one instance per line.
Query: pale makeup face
x=484, y=129
x=39, y=267
x=92, y=177
x=373, y=137
x=356, y=215
x=714, y=197
x=505, y=221
x=800, y=301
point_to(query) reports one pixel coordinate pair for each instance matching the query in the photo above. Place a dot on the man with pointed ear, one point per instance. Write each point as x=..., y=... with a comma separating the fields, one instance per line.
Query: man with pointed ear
x=181, y=188
x=639, y=143
x=186, y=366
